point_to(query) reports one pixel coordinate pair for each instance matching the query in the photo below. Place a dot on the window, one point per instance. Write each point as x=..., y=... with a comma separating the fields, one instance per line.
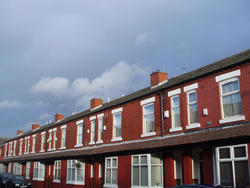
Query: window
x=10, y=148
x=57, y=171
x=9, y=167
x=55, y=139
x=230, y=97
x=33, y=143
x=17, y=169
x=2, y=168
x=63, y=138
x=79, y=133
x=75, y=172
x=14, y=148
x=42, y=141
x=147, y=171
x=6, y=150
x=100, y=128
x=92, y=132
x=50, y=139
x=117, y=124
x=39, y=171
x=27, y=174
x=232, y=164
x=192, y=107
x=175, y=111
x=148, y=127
x=100, y=170
x=20, y=146
x=27, y=145
x=111, y=166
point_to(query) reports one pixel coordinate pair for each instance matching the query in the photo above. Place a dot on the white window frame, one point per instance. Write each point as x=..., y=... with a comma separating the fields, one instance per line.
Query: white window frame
x=195, y=124
x=17, y=169
x=33, y=143
x=39, y=166
x=78, y=125
x=54, y=139
x=27, y=170
x=82, y=168
x=9, y=167
x=149, y=166
x=43, y=141
x=111, y=168
x=231, y=118
x=10, y=148
x=231, y=159
x=20, y=146
x=114, y=113
x=49, y=140
x=173, y=129
x=6, y=150
x=92, y=130
x=63, y=136
x=57, y=171
x=14, y=148
x=100, y=128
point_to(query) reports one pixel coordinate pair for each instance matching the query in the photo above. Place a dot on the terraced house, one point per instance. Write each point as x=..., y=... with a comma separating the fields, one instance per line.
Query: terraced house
x=193, y=128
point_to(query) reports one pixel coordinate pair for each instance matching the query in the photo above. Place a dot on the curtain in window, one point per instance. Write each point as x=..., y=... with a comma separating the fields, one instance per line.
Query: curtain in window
x=232, y=105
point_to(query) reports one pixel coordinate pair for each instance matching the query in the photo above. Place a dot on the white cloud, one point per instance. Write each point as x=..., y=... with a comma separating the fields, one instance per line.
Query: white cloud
x=10, y=104
x=144, y=38
x=44, y=116
x=120, y=78
x=55, y=86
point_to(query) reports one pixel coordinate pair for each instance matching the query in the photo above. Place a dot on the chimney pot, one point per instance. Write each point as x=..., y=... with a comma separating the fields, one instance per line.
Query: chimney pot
x=19, y=132
x=158, y=77
x=59, y=117
x=95, y=102
x=35, y=126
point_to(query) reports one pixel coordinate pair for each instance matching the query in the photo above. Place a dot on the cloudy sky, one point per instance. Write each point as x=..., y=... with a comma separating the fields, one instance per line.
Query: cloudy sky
x=57, y=55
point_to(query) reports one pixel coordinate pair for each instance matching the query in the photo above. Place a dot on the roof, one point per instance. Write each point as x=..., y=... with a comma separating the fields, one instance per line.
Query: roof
x=2, y=140
x=217, y=66
x=216, y=136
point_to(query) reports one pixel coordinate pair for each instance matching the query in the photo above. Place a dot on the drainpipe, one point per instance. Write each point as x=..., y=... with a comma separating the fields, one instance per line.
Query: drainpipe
x=161, y=112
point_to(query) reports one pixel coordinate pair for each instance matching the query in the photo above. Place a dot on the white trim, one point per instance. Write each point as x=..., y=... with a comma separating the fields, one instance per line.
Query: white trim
x=99, y=141
x=117, y=110
x=100, y=115
x=78, y=145
x=175, y=129
x=33, y=135
x=116, y=139
x=159, y=84
x=95, y=107
x=91, y=143
x=79, y=122
x=193, y=125
x=56, y=181
x=62, y=147
x=38, y=179
x=64, y=127
x=92, y=118
x=232, y=119
x=227, y=75
x=190, y=87
x=148, y=134
x=108, y=185
x=75, y=182
x=147, y=101
x=174, y=92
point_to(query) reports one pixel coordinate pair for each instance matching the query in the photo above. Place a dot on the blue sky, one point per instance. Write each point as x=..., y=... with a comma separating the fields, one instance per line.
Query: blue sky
x=57, y=55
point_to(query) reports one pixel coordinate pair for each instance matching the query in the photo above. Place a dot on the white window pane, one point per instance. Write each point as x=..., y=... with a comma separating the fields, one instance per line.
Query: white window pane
x=136, y=160
x=114, y=176
x=144, y=176
x=176, y=117
x=108, y=176
x=143, y=159
x=136, y=175
x=229, y=87
x=156, y=176
x=175, y=101
x=193, y=113
x=149, y=109
x=192, y=97
x=155, y=159
x=232, y=105
x=114, y=163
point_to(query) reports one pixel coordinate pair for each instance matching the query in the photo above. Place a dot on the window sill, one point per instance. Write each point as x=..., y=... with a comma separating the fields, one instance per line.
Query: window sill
x=42, y=151
x=56, y=181
x=110, y=185
x=78, y=145
x=75, y=183
x=116, y=139
x=175, y=129
x=62, y=147
x=148, y=134
x=193, y=125
x=232, y=119
x=37, y=179
x=91, y=143
x=99, y=142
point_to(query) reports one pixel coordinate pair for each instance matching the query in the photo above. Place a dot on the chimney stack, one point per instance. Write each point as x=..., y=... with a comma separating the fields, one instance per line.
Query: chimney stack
x=59, y=117
x=95, y=102
x=19, y=132
x=35, y=126
x=158, y=77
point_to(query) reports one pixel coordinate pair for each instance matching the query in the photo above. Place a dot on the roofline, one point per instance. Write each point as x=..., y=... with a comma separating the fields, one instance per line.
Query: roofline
x=229, y=62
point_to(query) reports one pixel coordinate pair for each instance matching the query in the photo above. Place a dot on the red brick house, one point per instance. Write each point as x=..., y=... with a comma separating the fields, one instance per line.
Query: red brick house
x=193, y=128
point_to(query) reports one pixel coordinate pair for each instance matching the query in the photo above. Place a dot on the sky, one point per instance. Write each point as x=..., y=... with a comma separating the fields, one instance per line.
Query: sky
x=57, y=55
